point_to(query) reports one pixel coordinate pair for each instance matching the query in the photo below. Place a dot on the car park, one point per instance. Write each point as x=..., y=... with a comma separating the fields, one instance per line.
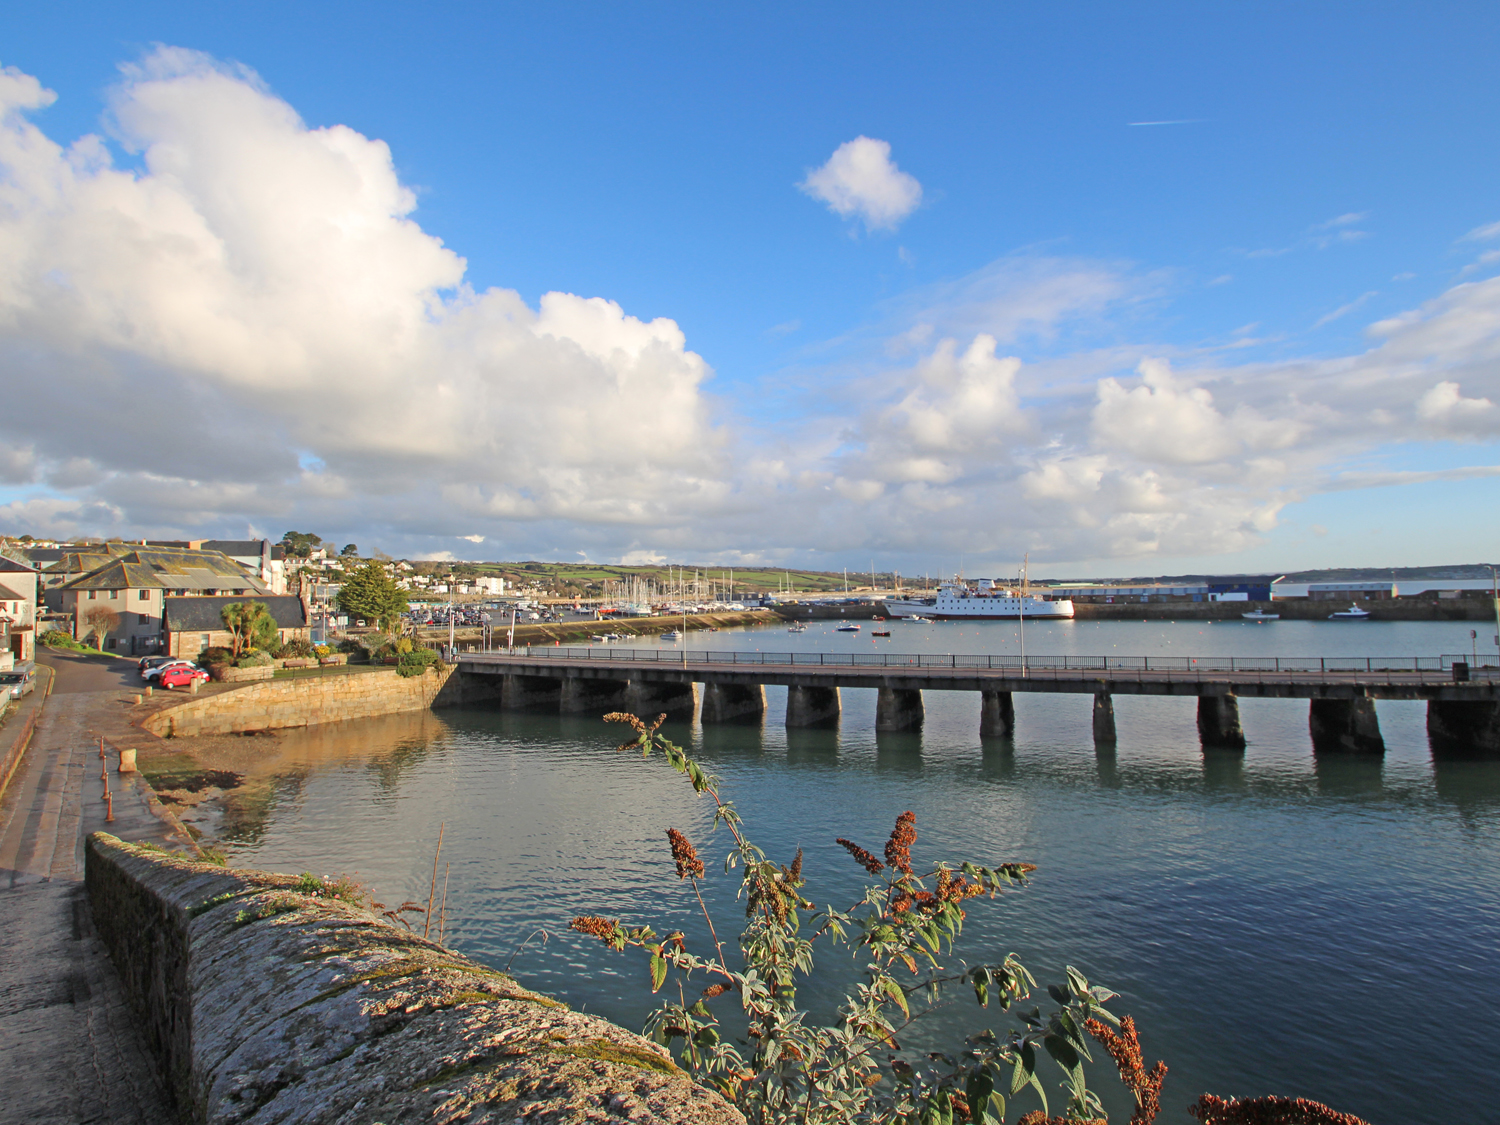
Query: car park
x=155, y=671
x=182, y=675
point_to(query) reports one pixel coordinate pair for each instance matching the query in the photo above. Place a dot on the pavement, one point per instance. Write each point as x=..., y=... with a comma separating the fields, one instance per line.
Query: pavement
x=70, y=1047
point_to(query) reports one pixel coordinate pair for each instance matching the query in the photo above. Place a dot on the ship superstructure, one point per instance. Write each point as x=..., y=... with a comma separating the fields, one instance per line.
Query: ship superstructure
x=984, y=598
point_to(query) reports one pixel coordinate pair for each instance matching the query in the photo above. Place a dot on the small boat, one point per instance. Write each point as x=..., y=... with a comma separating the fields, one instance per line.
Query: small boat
x=599, y=639
x=1353, y=613
x=877, y=619
x=1258, y=615
x=915, y=617
x=797, y=629
x=671, y=635
x=850, y=627
x=880, y=633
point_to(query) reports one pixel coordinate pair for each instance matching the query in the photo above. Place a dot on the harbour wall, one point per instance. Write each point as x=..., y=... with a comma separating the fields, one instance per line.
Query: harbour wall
x=354, y=1019
x=581, y=629
x=303, y=701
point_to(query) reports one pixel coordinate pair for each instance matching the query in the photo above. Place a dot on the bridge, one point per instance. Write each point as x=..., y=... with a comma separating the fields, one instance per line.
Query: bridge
x=1463, y=703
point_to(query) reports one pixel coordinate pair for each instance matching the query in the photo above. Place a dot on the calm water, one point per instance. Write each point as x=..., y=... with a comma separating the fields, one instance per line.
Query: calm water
x=1275, y=922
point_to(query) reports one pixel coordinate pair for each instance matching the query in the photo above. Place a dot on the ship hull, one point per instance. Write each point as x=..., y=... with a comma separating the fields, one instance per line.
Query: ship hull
x=999, y=609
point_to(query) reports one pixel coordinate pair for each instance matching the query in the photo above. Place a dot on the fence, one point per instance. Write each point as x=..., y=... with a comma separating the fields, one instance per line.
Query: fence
x=1191, y=664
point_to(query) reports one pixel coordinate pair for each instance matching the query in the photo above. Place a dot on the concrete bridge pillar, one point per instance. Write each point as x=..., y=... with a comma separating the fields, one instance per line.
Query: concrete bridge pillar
x=648, y=700
x=588, y=695
x=1463, y=726
x=1104, y=718
x=518, y=693
x=1219, y=722
x=812, y=706
x=734, y=703
x=997, y=714
x=898, y=709
x=1345, y=726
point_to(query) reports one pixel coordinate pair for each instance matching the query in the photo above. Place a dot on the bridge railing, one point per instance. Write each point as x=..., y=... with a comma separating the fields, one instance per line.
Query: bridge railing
x=1002, y=662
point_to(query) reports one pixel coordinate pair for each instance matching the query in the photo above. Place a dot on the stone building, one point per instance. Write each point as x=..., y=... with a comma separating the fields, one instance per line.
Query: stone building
x=191, y=625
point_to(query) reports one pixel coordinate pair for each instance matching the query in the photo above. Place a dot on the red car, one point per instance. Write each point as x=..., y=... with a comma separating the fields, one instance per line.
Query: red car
x=182, y=675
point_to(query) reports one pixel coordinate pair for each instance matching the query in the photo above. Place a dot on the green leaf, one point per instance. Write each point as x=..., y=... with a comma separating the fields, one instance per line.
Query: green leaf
x=977, y=1088
x=658, y=971
x=1061, y=1050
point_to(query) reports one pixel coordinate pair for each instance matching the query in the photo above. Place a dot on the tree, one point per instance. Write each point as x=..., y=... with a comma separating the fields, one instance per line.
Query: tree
x=100, y=620
x=250, y=625
x=350, y=551
x=370, y=592
x=300, y=544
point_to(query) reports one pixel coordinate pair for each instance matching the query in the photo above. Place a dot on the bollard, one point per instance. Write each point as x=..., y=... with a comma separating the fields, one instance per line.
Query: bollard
x=139, y=699
x=109, y=808
x=127, y=761
x=148, y=691
x=101, y=746
x=193, y=687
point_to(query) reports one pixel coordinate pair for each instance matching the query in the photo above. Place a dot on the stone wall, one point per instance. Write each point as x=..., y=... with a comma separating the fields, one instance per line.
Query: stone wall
x=264, y=1001
x=304, y=700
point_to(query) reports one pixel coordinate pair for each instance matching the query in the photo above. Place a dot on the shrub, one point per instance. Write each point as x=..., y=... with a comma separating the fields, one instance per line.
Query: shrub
x=321, y=651
x=255, y=658
x=216, y=655
x=294, y=648
x=415, y=661
x=56, y=638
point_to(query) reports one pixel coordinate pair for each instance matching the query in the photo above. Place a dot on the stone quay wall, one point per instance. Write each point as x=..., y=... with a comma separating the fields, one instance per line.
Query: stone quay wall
x=305, y=700
x=266, y=1001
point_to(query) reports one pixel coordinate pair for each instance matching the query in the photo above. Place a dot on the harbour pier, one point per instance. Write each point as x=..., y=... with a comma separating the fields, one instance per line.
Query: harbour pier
x=1463, y=703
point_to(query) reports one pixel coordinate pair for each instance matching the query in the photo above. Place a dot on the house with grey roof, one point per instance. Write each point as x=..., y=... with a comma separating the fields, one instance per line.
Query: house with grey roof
x=191, y=625
x=125, y=597
x=18, y=583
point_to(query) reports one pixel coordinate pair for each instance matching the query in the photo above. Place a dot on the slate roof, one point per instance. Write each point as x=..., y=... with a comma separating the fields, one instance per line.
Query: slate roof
x=243, y=547
x=11, y=565
x=169, y=569
x=203, y=615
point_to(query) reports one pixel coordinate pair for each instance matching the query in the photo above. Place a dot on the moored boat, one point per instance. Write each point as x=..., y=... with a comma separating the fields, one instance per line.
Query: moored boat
x=1353, y=613
x=1260, y=615
x=985, y=599
x=849, y=628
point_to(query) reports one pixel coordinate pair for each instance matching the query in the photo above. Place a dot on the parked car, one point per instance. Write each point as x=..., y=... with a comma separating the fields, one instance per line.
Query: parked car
x=155, y=671
x=182, y=675
x=19, y=681
x=151, y=662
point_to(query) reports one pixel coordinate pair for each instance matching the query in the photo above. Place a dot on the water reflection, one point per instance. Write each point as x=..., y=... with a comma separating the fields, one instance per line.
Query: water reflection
x=1224, y=771
x=1107, y=765
x=1349, y=775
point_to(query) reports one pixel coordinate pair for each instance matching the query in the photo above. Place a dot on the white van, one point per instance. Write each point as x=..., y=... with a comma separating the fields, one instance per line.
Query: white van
x=18, y=681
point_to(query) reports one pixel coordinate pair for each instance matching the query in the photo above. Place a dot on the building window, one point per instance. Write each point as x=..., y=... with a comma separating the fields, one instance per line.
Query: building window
x=93, y=594
x=114, y=595
x=205, y=639
x=145, y=595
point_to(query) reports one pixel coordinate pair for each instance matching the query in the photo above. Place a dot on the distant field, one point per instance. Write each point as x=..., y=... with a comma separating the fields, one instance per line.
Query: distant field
x=753, y=578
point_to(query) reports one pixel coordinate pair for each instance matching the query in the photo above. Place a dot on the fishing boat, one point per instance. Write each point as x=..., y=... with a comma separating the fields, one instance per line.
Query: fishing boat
x=671, y=635
x=1260, y=615
x=797, y=629
x=850, y=627
x=1353, y=613
x=880, y=633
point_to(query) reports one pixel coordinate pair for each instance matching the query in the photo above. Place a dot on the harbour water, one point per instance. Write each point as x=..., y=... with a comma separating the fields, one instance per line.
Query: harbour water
x=1277, y=923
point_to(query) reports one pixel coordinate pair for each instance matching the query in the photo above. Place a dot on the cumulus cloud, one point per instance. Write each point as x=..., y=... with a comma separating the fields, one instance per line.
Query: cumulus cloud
x=861, y=180
x=256, y=297
x=244, y=323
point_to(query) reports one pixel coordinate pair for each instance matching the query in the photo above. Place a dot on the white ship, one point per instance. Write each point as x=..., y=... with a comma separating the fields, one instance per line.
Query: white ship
x=984, y=599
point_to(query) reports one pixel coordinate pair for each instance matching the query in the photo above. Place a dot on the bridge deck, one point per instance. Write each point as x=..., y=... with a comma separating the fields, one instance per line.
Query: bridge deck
x=1274, y=677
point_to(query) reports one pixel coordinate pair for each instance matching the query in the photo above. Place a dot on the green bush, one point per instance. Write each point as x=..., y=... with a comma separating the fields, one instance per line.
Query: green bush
x=217, y=655
x=254, y=659
x=321, y=651
x=56, y=638
x=294, y=648
x=415, y=661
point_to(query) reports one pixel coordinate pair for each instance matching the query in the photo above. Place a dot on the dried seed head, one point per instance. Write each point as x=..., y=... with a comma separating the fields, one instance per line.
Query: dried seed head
x=794, y=873
x=592, y=924
x=898, y=847
x=715, y=990
x=685, y=856
x=862, y=857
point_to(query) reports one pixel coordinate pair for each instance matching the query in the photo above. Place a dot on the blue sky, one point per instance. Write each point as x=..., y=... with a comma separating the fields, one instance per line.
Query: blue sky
x=1263, y=336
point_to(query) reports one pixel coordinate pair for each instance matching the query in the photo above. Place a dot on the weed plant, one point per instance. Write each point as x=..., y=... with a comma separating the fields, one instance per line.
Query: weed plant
x=735, y=1025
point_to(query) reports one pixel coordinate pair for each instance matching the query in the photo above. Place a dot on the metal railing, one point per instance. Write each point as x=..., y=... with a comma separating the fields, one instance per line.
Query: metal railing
x=1274, y=665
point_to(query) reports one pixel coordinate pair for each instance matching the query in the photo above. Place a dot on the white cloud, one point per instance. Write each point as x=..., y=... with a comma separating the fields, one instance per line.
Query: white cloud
x=258, y=294
x=1344, y=310
x=1483, y=234
x=1162, y=419
x=861, y=180
x=473, y=538
x=1445, y=410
